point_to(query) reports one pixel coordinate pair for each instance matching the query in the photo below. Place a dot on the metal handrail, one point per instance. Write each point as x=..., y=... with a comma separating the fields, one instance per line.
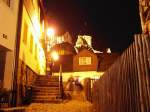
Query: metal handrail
x=60, y=82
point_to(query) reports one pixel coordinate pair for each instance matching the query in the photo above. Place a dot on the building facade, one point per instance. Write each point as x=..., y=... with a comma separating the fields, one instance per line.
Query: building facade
x=31, y=60
x=84, y=40
x=85, y=60
x=144, y=11
x=8, y=30
x=31, y=34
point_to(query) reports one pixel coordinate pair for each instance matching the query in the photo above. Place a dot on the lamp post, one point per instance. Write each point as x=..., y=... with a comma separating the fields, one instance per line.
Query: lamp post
x=55, y=57
x=49, y=41
x=52, y=56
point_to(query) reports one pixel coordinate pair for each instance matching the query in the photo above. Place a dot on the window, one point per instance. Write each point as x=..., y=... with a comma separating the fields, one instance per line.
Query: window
x=84, y=60
x=61, y=52
x=25, y=32
x=7, y=2
x=31, y=43
x=35, y=51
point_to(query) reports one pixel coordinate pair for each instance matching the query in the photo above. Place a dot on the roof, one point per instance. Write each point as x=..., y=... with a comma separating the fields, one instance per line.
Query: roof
x=106, y=60
x=64, y=46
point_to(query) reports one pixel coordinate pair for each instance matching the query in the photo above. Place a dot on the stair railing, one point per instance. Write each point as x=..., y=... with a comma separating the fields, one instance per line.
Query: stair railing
x=60, y=82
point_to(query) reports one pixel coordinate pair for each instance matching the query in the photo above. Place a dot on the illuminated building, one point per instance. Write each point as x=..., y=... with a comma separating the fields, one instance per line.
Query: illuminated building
x=84, y=62
x=85, y=41
x=65, y=38
x=144, y=12
x=22, y=37
x=31, y=60
x=31, y=34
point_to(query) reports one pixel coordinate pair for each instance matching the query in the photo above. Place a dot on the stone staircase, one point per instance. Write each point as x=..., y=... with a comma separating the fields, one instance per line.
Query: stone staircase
x=46, y=90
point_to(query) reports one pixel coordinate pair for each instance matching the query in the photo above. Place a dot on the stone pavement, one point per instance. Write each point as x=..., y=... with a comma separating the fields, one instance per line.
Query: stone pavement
x=69, y=106
x=76, y=104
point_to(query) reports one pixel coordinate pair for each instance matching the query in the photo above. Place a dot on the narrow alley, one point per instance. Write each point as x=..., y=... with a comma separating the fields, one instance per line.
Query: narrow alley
x=74, y=56
x=78, y=103
x=48, y=100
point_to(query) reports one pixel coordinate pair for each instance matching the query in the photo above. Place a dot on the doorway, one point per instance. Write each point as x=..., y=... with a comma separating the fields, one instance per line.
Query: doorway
x=2, y=66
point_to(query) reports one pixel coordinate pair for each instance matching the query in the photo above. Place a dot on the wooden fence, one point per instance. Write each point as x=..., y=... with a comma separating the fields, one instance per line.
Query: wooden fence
x=125, y=86
x=88, y=83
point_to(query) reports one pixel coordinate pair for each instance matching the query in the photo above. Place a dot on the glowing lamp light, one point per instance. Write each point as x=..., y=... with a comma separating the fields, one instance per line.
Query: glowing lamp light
x=108, y=50
x=50, y=32
x=55, y=56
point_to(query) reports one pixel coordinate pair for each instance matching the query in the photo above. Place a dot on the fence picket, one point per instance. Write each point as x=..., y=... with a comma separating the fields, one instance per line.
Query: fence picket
x=125, y=86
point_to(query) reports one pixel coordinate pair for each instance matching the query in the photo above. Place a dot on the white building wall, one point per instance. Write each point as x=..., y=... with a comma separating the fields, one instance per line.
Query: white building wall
x=87, y=38
x=8, y=24
x=8, y=28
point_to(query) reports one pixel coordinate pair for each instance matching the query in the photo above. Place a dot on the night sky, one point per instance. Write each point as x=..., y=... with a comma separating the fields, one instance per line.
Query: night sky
x=111, y=23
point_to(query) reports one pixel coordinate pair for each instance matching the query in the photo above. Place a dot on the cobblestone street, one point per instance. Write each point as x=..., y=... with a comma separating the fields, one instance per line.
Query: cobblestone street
x=76, y=104
x=68, y=106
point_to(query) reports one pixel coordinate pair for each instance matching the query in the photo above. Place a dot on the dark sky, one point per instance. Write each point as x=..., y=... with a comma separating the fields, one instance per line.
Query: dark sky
x=111, y=23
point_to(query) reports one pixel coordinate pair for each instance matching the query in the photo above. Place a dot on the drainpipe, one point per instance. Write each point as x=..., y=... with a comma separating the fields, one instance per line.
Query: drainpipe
x=15, y=99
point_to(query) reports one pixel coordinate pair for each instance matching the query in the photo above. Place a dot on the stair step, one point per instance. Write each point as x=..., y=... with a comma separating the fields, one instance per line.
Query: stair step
x=45, y=93
x=49, y=99
x=47, y=80
x=47, y=83
x=46, y=89
x=46, y=101
x=51, y=87
x=44, y=81
x=46, y=96
x=45, y=76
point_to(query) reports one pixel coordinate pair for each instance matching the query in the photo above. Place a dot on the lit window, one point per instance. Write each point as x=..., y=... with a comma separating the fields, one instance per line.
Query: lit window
x=61, y=52
x=84, y=60
x=31, y=43
x=35, y=51
x=25, y=31
x=34, y=3
x=7, y=2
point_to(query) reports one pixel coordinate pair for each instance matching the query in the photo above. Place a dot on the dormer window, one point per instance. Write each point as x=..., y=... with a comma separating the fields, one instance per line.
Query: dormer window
x=7, y=2
x=85, y=61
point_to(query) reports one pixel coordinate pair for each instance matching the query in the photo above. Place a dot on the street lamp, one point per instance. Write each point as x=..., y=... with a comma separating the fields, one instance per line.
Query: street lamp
x=55, y=57
x=49, y=40
x=50, y=32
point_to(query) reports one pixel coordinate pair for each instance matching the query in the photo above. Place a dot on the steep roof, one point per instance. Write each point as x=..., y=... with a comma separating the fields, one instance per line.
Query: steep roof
x=106, y=60
x=67, y=47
